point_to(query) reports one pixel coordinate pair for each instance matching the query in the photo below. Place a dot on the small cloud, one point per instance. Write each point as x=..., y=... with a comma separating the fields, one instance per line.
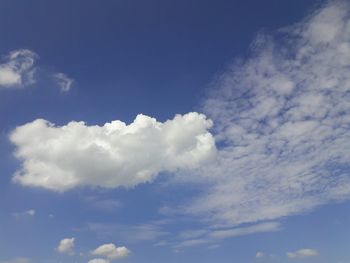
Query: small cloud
x=111, y=251
x=259, y=254
x=66, y=246
x=303, y=253
x=98, y=260
x=63, y=81
x=28, y=213
x=18, y=69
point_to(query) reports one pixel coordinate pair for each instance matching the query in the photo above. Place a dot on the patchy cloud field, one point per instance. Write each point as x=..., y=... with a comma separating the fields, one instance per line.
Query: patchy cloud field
x=257, y=171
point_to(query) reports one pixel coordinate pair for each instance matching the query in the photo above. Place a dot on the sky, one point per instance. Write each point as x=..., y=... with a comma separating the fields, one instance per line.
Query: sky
x=174, y=131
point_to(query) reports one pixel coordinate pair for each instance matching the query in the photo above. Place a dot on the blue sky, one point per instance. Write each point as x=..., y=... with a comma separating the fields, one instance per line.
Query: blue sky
x=174, y=131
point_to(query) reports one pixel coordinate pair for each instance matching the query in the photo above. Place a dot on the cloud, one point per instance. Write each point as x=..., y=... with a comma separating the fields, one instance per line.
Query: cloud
x=199, y=237
x=98, y=260
x=110, y=251
x=66, y=246
x=282, y=120
x=63, y=157
x=64, y=82
x=18, y=69
x=259, y=254
x=303, y=253
x=17, y=260
x=28, y=213
x=242, y=231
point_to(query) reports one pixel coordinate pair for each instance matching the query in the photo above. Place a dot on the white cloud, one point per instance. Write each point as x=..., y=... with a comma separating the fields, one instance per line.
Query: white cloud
x=63, y=81
x=303, y=253
x=98, y=260
x=18, y=69
x=111, y=251
x=28, y=213
x=282, y=118
x=242, y=231
x=259, y=254
x=201, y=237
x=113, y=155
x=66, y=246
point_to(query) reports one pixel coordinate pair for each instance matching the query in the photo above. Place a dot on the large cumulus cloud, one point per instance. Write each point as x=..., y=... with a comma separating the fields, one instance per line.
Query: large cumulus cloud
x=115, y=154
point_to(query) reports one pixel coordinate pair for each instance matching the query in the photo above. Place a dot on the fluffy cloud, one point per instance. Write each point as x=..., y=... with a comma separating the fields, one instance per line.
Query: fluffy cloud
x=111, y=251
x=18, y=69
x=303, y=253
x=66, y=246
x=282, y=119
x=259, y=254
x=112, y=155
x=63, y=81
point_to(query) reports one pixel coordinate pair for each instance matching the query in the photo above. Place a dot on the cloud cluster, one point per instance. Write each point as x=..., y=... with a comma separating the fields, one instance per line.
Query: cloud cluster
x=18, y=69
x=282, y=119
x=66, y=246
x=303, y=253
x=111, y=252
x=113, y=155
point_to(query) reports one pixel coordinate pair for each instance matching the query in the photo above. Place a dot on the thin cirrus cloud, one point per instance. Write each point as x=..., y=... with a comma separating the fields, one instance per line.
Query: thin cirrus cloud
x=282, y=118
x=60, y=158
x=111, y=252
x=19, y=68
x=196, y=238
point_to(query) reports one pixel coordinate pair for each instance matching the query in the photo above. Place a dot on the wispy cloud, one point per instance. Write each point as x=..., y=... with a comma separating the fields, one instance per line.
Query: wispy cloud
x=202, y=237
x=64, y=82
x=24, y=214
x=303, y=253
x=18, y=69
x=282, y=120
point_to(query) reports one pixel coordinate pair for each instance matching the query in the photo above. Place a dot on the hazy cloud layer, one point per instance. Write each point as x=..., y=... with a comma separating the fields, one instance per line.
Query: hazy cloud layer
x=63, y=157
x=282, y=119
